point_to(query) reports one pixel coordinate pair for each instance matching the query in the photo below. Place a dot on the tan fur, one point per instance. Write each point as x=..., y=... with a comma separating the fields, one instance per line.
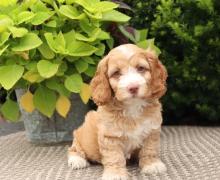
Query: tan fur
x=159, y=75
x=101, y=91
x=111, y=135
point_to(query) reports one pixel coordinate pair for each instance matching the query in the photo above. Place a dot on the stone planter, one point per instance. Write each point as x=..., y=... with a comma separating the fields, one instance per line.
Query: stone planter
x=41, y=129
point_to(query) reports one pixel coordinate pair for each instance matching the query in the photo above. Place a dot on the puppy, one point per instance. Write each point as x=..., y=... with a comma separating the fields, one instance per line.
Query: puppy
x=126, y=87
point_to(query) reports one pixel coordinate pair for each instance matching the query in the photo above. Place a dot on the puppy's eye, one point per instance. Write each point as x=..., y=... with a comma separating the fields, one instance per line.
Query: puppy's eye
x=141, y=69
x=116, y=74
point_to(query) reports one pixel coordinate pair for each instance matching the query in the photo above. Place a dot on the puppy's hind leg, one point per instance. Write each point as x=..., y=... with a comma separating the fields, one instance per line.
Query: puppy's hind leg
x=76, y=156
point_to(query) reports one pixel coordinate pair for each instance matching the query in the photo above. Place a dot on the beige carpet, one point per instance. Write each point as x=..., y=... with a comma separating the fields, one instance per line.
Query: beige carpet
x=190, y=153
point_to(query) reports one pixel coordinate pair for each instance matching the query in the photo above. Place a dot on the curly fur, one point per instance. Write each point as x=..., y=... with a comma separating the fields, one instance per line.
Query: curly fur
x=159, y=75
x=101, y=91
x=124, y=126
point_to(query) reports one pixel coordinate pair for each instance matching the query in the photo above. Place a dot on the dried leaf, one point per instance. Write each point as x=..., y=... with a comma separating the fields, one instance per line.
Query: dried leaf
x=85, y=93
x=63, y=105
x=26, y=102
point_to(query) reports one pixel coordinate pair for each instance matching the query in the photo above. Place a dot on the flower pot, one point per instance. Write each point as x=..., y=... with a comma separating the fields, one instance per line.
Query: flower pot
x=41, y=129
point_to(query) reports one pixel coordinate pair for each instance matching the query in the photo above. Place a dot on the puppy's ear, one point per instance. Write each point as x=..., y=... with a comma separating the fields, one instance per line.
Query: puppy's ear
x=158, y=73
x=101, y=90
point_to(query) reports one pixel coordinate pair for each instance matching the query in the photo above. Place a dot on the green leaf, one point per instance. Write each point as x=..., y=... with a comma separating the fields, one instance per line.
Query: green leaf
x=5, y=22
x=50, y=41
x=72, y=59
x=51, y=23
x=7, y=2
x=74, y=83
x=9, y=75
x=69, y=37
x=18, y=32
x=46, y=68
x=103, y=35
x=149, y=43
x=101, y=50
x=86, y=26
x=104, y=6
x=3, y=49
x=140, y=35
x=24, y=17
x=77, y=48
x=41, y=17
x=81, y=37
x=4, y=37
x=110, y=43
x=62, y=69
x=71, y=12
x=39, y=6
x=48, y=1
x=115, y=16
x=142, y=44
x=33, y=76
x=73, y=47
x=46, y=51
x=32, y=65
x=86, y=4
x=32, y=53
x=94, y=6
x=27, y=42
x=127, y=34
x=59, y=87
x=10, y=110
x=45, y=100
x=29, y=3
x=95, y=15
x=206, y=5
x=60, y=42
x=89, y=60
x=61, y=1
x=81, y=65
x=70, y=1
x=90, y=71
x=93, y=36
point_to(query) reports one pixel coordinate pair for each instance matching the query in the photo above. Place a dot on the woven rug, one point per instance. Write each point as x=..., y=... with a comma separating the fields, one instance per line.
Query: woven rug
x=190, y=153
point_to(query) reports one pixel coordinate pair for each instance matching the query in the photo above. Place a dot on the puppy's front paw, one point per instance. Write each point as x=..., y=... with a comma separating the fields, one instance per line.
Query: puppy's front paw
x=154, y=168
x=115, y=175
x=77, y=162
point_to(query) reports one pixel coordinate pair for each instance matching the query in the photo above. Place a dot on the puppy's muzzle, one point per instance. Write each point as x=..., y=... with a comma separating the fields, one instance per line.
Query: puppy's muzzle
x=133, y=89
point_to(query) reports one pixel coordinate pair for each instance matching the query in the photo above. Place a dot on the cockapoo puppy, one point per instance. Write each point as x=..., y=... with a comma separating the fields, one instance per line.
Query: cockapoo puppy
x=126, y=87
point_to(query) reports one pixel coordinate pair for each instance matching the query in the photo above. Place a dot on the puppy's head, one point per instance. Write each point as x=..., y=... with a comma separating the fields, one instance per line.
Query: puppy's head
x=129, y=72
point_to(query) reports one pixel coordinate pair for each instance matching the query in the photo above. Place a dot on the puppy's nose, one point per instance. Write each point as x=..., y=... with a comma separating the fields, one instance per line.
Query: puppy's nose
x=133, y=89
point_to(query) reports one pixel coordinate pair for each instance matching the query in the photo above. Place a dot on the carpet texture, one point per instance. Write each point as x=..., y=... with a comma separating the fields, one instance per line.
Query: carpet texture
x=190, y=153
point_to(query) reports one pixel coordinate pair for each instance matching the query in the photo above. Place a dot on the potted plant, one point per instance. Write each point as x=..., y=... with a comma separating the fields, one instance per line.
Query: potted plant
x=48, y=53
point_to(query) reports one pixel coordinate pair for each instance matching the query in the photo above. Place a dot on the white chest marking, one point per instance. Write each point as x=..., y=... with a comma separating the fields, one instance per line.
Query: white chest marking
x=134, y=108
x=136, y=137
